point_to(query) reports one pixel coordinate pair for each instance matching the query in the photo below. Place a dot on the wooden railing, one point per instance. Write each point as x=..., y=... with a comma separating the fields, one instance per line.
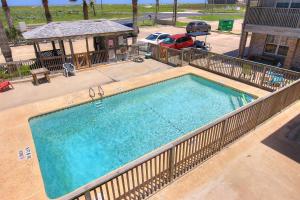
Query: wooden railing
x=21, y=69
x=257, y=74
x=260, y=75
x=282, y=17
x=146, y=175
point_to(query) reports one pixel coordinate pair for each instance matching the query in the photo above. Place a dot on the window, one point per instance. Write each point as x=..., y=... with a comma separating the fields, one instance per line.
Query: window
x=152, y=37
x=168, y=40
x=276, y=45
x=288, y=4
x=295, y=5
x=282, y=4
x=161, y=37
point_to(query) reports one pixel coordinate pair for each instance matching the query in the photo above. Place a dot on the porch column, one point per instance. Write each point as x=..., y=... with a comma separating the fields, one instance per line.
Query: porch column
x=38, y=48
x=62, y=49
x=72, y=50
x=35, y=50
x=292, y=43
x=242, y=46
x=53, y=45
x=88, y=51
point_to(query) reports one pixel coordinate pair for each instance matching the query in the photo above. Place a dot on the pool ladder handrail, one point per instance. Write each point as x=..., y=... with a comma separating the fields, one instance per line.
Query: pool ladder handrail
x=93, y=94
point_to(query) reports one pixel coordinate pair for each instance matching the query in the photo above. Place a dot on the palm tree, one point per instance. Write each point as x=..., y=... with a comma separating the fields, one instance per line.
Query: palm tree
x=175, y=12
x=156, y=9
x=134, y=19
x=92, y=4
x=85, y=10
x=5, y=48
x=6, y=9
x=47, y=11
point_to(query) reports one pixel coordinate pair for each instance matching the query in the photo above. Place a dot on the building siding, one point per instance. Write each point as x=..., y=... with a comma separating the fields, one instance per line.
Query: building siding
x=296, y=60
x=257, y=44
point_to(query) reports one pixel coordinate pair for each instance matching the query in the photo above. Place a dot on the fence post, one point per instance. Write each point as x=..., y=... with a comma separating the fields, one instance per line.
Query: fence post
x=87, y=195
x=158, y=52
x=18, y=65
x=263, y=76
x=223, y=132
x=171, y=163
x=208, y=60
x=190, y=56
x=259, y=113
x=181, y=64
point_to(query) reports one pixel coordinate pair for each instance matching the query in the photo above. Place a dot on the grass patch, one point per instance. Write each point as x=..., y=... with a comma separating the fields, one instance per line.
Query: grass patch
x=35, y=14
x=181, y=24
x=146, y=22
x=216, y=17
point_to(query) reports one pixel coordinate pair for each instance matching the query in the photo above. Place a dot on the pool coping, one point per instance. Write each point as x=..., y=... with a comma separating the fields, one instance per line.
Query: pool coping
x=19, y=116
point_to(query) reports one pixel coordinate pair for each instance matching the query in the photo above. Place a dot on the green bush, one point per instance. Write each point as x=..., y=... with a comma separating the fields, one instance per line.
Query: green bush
x=24, y=70
x=13, y=34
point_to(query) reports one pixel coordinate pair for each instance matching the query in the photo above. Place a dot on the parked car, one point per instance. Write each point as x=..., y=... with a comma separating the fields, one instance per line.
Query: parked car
x=178, y=41
x=198, y=26
x=154, y=38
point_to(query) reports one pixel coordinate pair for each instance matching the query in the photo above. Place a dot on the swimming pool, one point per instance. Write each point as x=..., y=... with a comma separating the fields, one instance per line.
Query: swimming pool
x=81, y=143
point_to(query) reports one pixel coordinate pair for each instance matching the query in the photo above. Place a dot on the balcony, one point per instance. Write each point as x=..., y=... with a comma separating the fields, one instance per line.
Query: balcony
x=280, y=21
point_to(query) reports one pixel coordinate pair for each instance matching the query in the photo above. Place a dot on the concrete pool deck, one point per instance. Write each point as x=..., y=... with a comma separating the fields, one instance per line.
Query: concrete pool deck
x=264, y=164
x=21, y=179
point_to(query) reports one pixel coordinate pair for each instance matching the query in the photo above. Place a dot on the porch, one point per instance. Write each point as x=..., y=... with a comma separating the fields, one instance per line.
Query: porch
x=109, y=44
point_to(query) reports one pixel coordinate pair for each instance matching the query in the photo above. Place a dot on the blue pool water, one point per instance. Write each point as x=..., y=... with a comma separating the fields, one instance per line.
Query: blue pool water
x=82, y=143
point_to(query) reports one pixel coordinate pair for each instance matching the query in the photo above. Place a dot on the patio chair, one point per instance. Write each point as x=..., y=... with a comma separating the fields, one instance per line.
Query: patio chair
x=246, y=71
x=5, y=85
x=277, y=79
x=69, y=68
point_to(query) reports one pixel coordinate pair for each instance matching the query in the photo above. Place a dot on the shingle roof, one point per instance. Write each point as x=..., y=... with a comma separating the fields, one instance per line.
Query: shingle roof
x=55, y=30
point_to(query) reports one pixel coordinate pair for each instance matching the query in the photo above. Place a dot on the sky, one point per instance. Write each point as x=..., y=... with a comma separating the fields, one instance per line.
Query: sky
x=67, y=2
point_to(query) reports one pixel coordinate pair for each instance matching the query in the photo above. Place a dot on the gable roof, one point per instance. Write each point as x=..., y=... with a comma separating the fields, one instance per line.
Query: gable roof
x=82, y=28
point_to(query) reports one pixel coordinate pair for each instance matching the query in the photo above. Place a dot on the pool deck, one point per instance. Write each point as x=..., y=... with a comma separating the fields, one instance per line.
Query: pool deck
x=21, y=179
x=264, y=164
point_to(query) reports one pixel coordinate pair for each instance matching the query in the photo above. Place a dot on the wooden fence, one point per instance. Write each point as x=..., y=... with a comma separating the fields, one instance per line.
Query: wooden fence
x=146, y=175
x=282, y=17
x=21, y=69
x=257, y=74
x=260, y=75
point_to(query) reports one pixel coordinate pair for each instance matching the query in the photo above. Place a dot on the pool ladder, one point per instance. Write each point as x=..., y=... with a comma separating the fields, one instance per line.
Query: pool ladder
x=92, y=94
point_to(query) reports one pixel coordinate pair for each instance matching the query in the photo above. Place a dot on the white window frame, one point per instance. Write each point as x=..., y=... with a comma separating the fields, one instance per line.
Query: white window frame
x=277, y=46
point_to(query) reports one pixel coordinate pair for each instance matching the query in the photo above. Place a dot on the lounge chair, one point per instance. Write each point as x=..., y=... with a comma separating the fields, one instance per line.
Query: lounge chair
x=5, y=85
x=276, y=79
x=246, y=71
x=69, y=68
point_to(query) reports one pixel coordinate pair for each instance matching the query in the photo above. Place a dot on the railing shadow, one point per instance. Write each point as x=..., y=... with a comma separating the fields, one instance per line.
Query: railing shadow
x=286, y=140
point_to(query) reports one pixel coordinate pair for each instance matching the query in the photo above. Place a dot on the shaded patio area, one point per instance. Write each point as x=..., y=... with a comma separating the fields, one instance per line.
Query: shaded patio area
x=26, y=92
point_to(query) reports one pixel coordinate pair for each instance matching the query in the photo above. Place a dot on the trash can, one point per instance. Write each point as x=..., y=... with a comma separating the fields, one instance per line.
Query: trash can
x=225, y=24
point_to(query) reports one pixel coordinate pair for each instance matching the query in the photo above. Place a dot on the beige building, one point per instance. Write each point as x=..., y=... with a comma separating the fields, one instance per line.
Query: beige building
x=274, y=27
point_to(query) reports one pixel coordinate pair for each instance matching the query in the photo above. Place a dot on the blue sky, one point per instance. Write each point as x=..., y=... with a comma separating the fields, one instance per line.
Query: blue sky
x=62, y=2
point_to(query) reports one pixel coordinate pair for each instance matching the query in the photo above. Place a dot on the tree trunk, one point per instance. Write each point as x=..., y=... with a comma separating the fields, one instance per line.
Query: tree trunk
x=85, y=10
x=174, y=13
x=47, y=11
x=134, y=19
x=92, y=4
x=5, y=48
x=6, y=9
x=156, y=10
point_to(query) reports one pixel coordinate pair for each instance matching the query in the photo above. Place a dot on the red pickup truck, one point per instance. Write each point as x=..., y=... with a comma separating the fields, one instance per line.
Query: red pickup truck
x=178, y=41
